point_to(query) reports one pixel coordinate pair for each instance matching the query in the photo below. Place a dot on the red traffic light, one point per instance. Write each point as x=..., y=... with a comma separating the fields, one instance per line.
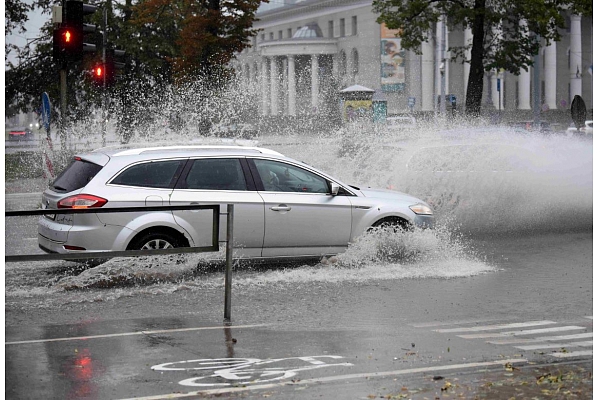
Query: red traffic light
x=67, y=36
x=98, y=74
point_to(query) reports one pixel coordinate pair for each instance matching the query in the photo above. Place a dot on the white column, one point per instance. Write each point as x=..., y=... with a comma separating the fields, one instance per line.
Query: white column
x=291, y=85
x=550, y=74
x=524, y=82
x=427, y=73
x=274, y=85
x=265, y=86
x=336, y=66
x=467, y=66
x=284, y=96
x=254, y=72
x=576, y=48
x=314, y=87
x=524, y=89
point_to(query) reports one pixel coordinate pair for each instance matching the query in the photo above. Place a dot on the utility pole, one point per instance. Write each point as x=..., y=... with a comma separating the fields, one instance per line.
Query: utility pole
x=443, y=68
x=63, y=93
x=104, y=95
x=536, y=92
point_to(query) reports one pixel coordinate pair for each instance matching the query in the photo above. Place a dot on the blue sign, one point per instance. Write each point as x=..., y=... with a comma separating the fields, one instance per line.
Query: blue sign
x=411, y=102
x=46, y=110
x=498, y=85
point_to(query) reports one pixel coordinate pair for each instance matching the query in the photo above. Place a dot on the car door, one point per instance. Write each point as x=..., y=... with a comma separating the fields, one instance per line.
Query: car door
x=302, y=218
x=221, y=180
x=146, y=183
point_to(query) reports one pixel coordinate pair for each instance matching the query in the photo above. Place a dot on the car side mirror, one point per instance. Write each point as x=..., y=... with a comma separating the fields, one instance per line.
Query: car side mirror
x=335, y=188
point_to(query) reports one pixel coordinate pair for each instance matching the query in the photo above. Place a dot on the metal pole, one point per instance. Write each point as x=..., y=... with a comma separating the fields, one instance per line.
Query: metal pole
x=499, y=97
x=536, y=91
x=63, y=108
x=228, y=261
x=443, y=70
x=104, y=97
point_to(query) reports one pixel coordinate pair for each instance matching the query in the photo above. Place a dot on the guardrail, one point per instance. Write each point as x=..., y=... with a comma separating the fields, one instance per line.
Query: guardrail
x=214, y=247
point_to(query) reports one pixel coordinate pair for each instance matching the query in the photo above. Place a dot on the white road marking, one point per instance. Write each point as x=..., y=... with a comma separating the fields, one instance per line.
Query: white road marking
x=495, y=327
x=519, y=333
x=555, y=345
x=204, y=328
x=574, y=354
x=544, y=338
x=446, y=323
x=331, y=379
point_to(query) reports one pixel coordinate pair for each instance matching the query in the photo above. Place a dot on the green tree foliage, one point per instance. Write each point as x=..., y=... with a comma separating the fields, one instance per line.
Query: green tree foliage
x=197, y=38
x=166, y=42
x=506, y=33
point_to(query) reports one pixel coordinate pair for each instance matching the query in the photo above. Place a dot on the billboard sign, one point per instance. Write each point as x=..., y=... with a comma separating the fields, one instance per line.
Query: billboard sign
x=393, y=77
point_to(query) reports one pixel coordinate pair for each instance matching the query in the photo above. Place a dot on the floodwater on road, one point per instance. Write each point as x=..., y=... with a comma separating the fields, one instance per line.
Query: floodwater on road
x=513, y=209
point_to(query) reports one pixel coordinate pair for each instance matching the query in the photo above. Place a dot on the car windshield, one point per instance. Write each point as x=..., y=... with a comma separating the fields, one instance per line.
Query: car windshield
x=75, y=176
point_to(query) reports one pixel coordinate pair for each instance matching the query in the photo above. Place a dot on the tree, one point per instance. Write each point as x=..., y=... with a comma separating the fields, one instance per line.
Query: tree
x=165, y=41
x=15, y=17
x=196, y=38
x=506, y=33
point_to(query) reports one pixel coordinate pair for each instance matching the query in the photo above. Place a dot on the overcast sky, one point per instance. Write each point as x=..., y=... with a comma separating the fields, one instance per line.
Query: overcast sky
x=36, y=20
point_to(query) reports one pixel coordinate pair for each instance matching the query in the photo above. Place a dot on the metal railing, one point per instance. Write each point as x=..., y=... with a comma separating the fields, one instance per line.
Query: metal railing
x=214, y=247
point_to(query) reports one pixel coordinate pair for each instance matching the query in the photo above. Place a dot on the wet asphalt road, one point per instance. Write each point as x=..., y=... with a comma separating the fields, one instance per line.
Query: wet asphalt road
x=510, y=332
x=416, y=337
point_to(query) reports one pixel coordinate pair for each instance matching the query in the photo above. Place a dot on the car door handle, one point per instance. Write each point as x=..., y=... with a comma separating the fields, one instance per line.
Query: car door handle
x=281, y=207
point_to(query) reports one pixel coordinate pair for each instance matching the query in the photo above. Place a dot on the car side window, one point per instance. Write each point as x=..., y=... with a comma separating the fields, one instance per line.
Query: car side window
x=281, y=177
x=154, y=174
x=216, y=174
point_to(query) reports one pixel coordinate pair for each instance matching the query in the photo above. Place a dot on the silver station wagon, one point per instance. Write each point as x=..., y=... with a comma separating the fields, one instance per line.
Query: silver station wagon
x=282, y=207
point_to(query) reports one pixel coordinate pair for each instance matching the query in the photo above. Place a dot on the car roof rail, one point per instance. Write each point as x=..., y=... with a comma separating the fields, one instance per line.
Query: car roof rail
x=137, y=151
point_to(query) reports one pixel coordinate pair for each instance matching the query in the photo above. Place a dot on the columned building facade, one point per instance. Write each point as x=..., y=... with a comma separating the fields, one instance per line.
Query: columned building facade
x=306, y=52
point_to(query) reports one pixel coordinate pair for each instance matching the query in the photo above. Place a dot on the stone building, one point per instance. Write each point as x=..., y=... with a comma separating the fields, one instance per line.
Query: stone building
x=306, y=51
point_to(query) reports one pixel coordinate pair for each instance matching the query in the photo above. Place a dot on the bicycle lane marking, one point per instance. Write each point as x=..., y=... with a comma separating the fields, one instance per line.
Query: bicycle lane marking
x=231, y=390
x=249, y=371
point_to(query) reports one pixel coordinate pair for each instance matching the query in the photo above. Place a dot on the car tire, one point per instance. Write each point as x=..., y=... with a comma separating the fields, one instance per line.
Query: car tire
x=153, y=241
x=395, y=224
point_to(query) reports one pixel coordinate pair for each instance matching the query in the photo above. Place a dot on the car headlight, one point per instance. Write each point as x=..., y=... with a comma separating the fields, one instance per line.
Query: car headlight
x=421, y=209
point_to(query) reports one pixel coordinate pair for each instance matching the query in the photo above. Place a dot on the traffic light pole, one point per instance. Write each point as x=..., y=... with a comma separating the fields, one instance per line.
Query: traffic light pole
x=63, y=107
x=104, y=94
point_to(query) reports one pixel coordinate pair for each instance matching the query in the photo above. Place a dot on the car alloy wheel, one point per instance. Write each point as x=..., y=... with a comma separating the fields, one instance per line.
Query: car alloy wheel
x=155, y=244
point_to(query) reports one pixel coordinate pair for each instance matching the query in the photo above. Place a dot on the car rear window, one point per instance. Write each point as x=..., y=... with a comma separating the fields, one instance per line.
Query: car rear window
x=75, y=176
x=155, y=174
x=216, y=174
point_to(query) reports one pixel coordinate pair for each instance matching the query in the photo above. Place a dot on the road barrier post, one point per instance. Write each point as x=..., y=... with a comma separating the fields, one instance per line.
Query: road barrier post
x=228, y=262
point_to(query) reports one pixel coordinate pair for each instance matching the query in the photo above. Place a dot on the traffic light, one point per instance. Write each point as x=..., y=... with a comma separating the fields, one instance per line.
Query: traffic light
x=113, y=65
x=64, y=43
x=69, y=44
x=99, y=74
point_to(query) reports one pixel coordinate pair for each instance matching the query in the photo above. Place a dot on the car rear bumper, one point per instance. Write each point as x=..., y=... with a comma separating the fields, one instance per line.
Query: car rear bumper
x=50, y=246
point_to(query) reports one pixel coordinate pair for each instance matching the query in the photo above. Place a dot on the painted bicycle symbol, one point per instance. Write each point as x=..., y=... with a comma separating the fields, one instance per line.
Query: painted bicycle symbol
x=224, y=372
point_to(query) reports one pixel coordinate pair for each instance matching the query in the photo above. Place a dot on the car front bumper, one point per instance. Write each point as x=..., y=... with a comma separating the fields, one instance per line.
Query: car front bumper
x=424, y=221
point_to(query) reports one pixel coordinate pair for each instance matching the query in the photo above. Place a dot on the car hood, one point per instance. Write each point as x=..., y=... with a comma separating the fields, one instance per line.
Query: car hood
x=389, y=195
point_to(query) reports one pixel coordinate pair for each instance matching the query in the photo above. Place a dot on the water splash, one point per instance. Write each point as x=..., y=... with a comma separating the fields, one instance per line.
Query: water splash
x=489, y=179
x=479, y=180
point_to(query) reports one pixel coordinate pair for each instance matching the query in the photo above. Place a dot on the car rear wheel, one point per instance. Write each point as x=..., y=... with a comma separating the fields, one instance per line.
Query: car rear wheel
x=154, y=241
